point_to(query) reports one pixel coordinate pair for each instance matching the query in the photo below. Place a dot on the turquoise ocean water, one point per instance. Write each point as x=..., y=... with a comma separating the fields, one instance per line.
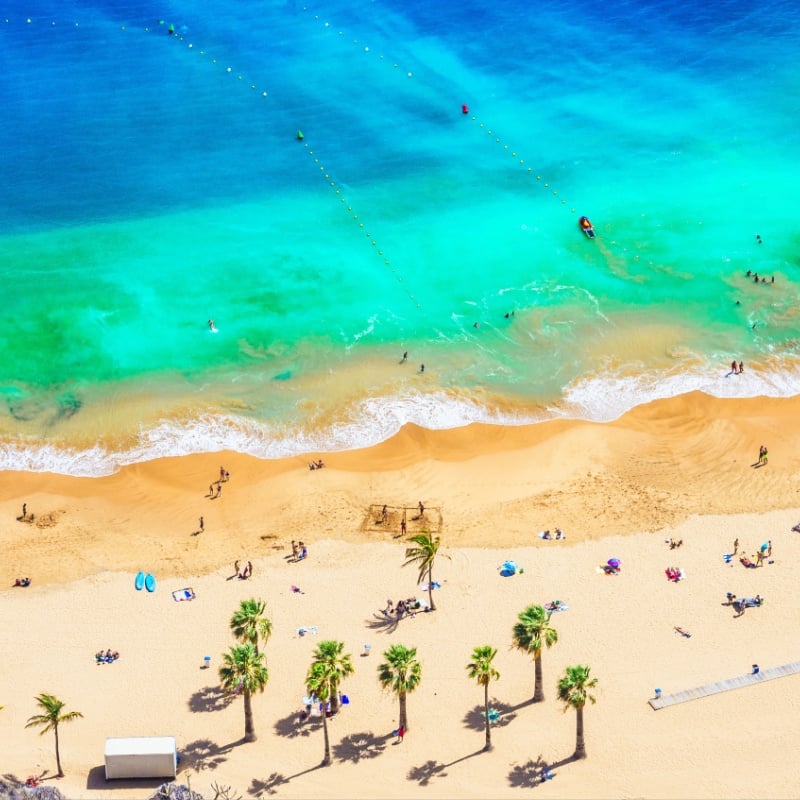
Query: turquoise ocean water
x=154, y=181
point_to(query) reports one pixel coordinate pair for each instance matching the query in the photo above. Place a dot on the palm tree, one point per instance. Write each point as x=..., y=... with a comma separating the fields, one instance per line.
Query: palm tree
x=51, y=719
x=318, y=685
x=400, y=673
x=244, y=670
x=423, y=556
x=481, y=670
x=337, y=665
x=249, y=623
x=531, y=632
x=572, y=691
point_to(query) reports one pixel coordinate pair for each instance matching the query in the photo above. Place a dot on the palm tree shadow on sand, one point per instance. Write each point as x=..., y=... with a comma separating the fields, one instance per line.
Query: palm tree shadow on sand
x=426, y=772
x=210, y=698
x=276, y=779
x=474, y=719
x=383, y=624
x=360, y=746
x=532, y=773
x=291, y=727
x=203, y=754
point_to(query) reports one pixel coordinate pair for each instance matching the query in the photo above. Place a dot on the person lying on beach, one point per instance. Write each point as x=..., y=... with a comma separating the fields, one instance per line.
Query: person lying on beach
x=796, y=528
x=747, y=562
x=682, y=632
x=22, y=582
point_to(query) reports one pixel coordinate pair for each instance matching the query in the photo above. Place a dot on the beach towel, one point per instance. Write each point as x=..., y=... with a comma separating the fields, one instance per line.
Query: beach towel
x=183, y=594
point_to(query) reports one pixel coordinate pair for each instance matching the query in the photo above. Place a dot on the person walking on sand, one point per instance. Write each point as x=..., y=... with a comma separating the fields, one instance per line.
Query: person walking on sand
x=295, y=551
x=736, y=545
x=210, y=489
x=405, y=357
x=401, y=732
x=219, y=490
x=202, y=525
x=24, y=511
x=403, y=526
x=222, y=473
x=762, y=451
x=384, y=514
x=421, y=508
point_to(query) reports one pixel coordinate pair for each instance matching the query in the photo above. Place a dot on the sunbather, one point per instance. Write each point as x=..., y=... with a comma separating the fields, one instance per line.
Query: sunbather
x=746, y=562
x=22, y=582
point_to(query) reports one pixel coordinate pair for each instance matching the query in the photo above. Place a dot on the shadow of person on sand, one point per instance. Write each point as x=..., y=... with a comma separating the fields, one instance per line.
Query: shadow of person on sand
x=475, y=720
x=360, y=746
x=210, y=698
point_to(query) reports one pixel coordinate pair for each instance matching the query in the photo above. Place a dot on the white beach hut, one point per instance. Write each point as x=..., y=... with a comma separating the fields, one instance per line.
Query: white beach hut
x=141, y=757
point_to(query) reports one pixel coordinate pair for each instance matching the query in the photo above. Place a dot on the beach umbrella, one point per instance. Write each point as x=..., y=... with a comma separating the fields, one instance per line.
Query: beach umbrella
x=765, y=547
x=614, y=563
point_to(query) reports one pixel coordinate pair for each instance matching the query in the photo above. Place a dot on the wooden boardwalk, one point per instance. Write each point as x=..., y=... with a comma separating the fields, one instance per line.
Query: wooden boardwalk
x=724, y=686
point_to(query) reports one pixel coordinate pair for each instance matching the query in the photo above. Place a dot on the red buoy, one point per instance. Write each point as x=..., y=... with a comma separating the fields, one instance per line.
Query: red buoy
x=465, y=109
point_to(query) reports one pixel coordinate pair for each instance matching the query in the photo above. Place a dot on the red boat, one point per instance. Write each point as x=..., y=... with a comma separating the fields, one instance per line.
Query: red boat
x=587, y=227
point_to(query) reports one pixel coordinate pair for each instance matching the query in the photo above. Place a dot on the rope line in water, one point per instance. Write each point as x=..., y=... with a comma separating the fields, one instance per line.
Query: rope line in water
x=169, y=30
x=490, y=132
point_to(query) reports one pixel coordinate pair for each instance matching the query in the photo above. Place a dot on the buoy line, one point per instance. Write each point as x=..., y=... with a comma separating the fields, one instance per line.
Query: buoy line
x=169, y=29
x=325, y=173
x=464, y=108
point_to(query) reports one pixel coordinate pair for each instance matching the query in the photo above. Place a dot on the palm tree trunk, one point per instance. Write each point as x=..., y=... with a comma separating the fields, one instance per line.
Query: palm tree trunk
x=334, y=701
x=327, y=758
x=249, y=728
x=430, y=588
x=580, y=745
x=538, y=686
x=58, y=754
x=488, y=745
x=403, y=723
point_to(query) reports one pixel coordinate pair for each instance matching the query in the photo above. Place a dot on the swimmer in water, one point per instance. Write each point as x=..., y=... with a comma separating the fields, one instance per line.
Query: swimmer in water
x=211, y=325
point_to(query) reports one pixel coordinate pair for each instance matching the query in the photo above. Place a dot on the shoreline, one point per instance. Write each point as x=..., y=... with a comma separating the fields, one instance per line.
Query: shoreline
x=653, y=468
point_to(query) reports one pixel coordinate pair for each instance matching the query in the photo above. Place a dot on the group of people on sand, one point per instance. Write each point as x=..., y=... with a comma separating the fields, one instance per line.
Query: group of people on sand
x=408, y=607
x=673, y=544
x=675, y=574
x=558, y=536
x=22, y=582
x=299, y=551
x=106, y=658
x=246, y=573
x=742, y=603
x=316, y=464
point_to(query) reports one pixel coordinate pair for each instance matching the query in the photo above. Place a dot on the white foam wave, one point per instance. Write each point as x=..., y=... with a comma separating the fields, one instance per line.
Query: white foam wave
x=600, y=398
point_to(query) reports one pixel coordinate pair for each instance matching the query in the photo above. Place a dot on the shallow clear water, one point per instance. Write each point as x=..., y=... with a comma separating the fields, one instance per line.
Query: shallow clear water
x=156, y=181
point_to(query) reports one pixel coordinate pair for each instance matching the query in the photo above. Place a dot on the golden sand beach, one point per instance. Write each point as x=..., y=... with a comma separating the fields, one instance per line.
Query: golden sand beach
x=679, y=469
